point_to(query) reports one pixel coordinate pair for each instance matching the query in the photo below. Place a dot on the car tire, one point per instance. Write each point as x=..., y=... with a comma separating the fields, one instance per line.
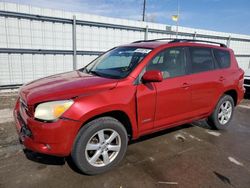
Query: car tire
x=222, y=115
x=99, y=146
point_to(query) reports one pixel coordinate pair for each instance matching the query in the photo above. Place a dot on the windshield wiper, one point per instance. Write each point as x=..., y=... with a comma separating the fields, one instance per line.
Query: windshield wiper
x=94, y=73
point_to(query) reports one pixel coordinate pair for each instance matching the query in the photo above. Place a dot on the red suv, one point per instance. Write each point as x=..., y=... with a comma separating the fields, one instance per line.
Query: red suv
x=129, y=91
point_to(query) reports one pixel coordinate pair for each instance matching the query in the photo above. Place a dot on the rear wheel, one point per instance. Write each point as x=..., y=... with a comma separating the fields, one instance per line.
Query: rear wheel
x=100, y=145
x=223, y=113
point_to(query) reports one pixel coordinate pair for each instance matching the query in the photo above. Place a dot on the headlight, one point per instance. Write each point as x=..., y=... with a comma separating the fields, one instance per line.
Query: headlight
x=52, y=110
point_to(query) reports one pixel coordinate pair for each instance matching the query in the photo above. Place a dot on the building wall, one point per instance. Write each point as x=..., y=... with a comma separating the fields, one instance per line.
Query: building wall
x=22, y=31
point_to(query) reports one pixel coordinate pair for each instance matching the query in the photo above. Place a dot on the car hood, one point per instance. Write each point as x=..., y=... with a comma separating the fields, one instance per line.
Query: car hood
x=64, y=86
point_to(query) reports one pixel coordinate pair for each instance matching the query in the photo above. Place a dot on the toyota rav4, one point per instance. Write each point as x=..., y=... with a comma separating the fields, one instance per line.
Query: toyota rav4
x=132, y=90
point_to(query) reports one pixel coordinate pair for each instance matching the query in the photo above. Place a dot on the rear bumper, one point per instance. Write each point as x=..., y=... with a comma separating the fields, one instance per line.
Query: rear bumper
x=49, y=138
x=241, y=92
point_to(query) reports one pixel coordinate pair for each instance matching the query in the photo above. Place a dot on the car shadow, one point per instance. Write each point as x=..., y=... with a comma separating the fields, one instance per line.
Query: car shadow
x=202, y=124
x=53, y=160
x=43, y=158
x=159, y=133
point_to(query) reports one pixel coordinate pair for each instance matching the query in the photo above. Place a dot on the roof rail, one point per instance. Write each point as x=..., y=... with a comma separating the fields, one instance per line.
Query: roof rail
x=182, y=40
x=192, y=40
x=152, y=40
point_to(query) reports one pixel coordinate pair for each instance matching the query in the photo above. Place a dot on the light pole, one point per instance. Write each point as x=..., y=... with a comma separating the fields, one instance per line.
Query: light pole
x=144, y=10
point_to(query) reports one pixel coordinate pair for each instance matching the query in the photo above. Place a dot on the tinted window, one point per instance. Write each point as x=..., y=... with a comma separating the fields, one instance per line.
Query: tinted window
x=171, y=62
x=201, y=59
x=222, y=57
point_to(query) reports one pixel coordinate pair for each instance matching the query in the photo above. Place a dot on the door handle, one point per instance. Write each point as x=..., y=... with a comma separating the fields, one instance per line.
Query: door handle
x=185, y=85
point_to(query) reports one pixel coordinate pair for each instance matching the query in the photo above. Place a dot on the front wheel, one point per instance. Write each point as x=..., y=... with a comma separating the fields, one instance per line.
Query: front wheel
x=223, y=113
x=100, y=145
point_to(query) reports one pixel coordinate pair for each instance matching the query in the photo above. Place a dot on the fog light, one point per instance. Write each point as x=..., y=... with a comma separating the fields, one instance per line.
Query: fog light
x=47, y=146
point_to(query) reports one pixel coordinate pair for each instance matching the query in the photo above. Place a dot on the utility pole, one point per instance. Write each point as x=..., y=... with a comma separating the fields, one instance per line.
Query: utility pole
x=178, y=17
x=144, y=10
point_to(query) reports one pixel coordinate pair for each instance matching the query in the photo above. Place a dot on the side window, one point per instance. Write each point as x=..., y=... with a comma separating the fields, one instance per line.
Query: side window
x=201, y=59
x=223, y=58
x=171, y=62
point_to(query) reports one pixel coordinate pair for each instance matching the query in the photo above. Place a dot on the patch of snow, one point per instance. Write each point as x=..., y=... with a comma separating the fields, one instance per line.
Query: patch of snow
x=233, y=160
x=214, y=133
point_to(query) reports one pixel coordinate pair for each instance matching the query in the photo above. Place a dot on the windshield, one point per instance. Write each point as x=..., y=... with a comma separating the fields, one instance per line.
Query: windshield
x=117, y=63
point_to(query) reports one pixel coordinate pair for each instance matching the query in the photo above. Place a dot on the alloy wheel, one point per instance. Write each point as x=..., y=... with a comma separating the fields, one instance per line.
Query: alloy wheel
x=103, y=147
x=225, y=112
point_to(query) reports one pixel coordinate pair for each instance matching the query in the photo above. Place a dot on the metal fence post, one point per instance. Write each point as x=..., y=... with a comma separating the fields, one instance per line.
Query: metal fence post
x=228, y=41
x=195, y=35
x=74, y=43
x=146, y=33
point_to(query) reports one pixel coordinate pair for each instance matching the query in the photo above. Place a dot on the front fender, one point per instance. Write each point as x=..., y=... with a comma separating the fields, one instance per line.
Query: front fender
x=119, y=99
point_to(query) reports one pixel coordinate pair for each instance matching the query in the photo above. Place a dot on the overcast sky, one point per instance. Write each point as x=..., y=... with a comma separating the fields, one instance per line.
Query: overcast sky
x=220, y=15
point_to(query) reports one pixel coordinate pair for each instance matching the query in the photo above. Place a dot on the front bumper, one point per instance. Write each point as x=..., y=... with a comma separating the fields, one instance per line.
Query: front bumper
x=54, y=138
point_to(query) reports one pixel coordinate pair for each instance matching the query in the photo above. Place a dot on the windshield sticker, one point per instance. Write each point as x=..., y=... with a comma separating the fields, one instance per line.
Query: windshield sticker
x=143, y=50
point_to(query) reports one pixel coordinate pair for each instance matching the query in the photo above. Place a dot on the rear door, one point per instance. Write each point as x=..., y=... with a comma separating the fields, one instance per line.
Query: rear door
x=206, y=79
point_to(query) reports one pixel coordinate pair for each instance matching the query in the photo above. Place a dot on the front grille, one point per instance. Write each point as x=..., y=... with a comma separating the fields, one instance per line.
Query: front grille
x=247, y=82
x=27, y=109
x=24, y=128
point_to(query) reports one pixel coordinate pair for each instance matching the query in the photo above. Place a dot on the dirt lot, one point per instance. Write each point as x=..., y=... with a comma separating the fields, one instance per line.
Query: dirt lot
x=188, y=156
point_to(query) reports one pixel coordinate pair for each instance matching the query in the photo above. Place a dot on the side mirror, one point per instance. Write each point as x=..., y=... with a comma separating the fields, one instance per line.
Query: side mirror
x=152, y=76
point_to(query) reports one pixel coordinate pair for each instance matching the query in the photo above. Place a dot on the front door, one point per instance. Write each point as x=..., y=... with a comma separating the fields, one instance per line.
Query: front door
x=173, y=95
x=145, y=101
